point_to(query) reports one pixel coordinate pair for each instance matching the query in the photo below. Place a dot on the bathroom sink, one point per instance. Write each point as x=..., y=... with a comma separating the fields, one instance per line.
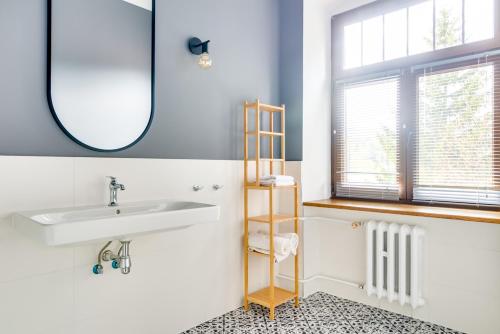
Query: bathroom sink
x=94, y=223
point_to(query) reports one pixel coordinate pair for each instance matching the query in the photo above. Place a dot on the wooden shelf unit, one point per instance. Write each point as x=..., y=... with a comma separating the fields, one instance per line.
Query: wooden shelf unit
x=267, y=298
x=275, y=219
x=270, y=296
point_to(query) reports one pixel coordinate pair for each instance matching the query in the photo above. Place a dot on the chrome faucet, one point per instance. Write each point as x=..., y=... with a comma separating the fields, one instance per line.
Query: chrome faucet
x=113, y=191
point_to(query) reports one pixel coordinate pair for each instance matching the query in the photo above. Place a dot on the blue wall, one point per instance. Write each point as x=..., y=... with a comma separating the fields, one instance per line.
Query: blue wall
x=257, y=52
x=291, y=73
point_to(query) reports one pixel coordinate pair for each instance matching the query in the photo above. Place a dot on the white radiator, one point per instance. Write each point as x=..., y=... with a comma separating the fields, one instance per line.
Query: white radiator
x=394, y=262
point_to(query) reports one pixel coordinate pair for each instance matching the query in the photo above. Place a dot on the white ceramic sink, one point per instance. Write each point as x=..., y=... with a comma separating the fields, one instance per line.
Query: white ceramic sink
x=92, y=223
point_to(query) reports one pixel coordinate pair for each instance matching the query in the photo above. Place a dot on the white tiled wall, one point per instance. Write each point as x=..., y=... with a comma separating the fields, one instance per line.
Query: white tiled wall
x=463, y=259
x=179, y=279
x=182, y=278
x=461, y=267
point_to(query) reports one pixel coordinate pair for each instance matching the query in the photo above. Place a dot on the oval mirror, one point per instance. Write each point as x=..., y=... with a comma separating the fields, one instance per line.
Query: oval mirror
x=100, y=70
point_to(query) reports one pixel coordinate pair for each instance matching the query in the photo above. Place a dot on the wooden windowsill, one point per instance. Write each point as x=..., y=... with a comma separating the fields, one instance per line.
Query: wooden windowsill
x=481, y=216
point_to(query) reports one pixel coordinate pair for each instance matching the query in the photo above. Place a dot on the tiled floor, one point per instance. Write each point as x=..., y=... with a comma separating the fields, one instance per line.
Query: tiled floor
x=319, y=313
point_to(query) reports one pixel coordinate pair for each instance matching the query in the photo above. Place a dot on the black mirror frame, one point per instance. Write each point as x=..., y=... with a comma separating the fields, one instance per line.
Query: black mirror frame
x=49, y=84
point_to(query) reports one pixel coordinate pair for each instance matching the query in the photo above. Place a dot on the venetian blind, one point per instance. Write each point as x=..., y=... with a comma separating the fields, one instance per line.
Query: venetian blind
x=366, y=139
x=457, y=139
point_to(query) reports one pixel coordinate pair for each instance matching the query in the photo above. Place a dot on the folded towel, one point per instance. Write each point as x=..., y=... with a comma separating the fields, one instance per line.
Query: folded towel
x=284, y=244
x=277, y=183
x=277, y=178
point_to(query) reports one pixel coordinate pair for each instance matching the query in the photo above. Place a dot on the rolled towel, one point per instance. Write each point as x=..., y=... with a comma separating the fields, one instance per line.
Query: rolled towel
x=293, y=239
x=277, y=257
x=284, y=243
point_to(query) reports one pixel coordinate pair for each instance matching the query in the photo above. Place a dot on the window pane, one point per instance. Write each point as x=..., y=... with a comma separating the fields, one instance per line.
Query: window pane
x=352, y=46
x=455, y=136
x=448, y=23
x=371, y=111
x=395, y=34
x=373, y=40
x=479, y=20
x=420, y=28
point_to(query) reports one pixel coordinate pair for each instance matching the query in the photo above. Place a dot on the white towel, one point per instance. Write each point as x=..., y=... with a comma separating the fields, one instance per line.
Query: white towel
x=277, y=257
x=277, y=183
x=277, y=180
x=284, y=244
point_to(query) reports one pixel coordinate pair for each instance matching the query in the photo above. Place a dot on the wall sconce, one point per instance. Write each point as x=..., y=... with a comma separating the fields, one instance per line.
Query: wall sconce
x=199, y=48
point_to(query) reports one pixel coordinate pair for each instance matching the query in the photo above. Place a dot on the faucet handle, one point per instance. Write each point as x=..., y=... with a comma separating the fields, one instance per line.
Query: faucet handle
x=112, y=178
x=217, y=186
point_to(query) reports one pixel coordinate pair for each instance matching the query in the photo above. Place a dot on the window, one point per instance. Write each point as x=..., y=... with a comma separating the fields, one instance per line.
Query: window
x=420, y=28
x=423, y=26
x=352, y=45
x=373, y=40
x=479, y=26
x=368, y=160
x=455, y=136
x=396, y=34
x=416, y=114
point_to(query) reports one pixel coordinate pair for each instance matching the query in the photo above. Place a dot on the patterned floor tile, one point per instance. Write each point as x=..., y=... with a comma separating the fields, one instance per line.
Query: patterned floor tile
x=245, y=322
x=369, y=320
x=404, y=324
x=320, y=296
x=299, y=327
x=214, y=326
x=428, y=328
x=347, y=307
x=320, y=313
x=320, y=308
x=334, y=327
x=288, y=319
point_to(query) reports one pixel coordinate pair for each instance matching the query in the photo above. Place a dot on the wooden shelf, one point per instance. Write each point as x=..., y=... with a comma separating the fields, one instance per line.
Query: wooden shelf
x=265, y=107
x=268, y=160
x=480, y=216
x=266, y=133
x=263, y=297
x=261, y=187
x=271, y=296
x=276, y=218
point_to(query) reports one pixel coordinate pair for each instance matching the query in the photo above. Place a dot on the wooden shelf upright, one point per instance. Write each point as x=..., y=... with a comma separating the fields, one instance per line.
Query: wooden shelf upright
x=270, y=296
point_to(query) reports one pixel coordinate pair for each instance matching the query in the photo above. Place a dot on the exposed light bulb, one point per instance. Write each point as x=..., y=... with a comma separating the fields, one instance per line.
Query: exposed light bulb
x=205, y=61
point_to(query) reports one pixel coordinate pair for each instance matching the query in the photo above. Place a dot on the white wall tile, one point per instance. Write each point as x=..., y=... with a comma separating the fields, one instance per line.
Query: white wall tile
x=465, y=268
x=182, y=278
x=461, y=270
x=22, y=257
x=37, y=304
x=459, y=309
x=179, y=278
x=29, y=183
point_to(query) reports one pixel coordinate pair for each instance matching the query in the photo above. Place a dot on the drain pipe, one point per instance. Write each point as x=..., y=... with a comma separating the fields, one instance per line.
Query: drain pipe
x=354, y=226
x=119, y=260
x=124, y=257
x=323, y=277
